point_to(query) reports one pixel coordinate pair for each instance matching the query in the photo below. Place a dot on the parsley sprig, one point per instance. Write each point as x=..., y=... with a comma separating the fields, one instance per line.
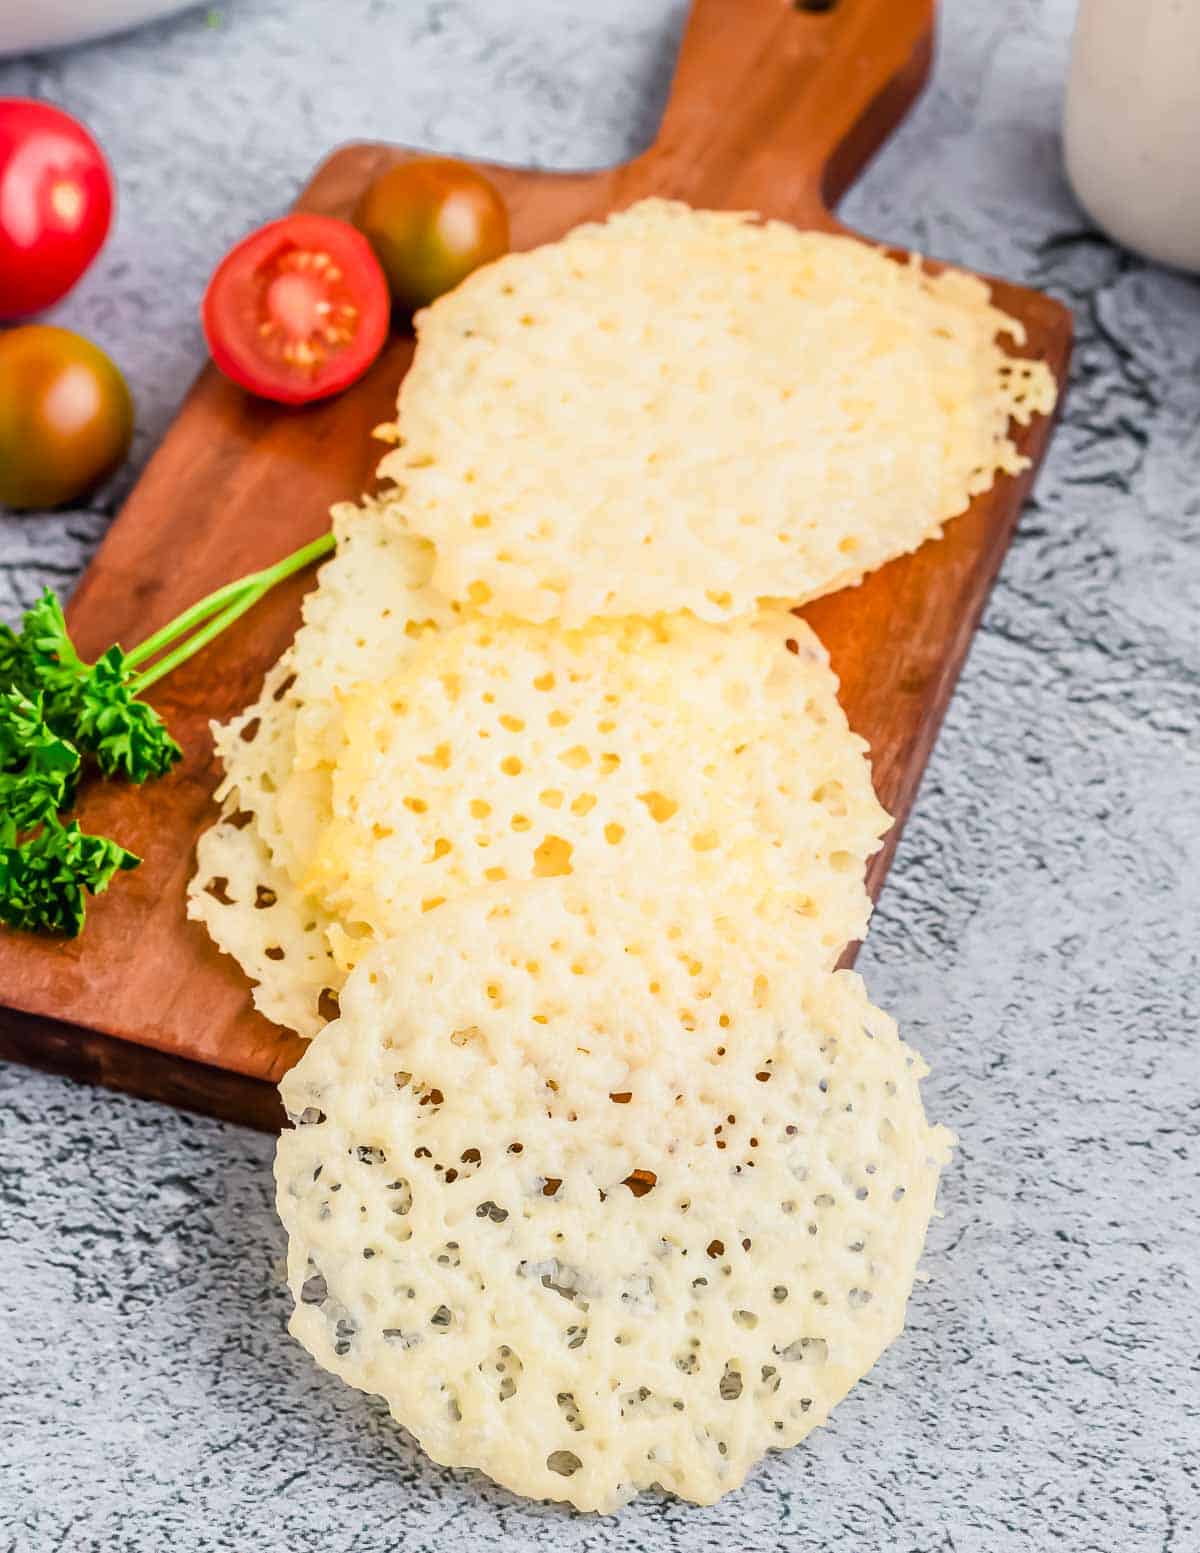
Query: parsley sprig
x=60, y=715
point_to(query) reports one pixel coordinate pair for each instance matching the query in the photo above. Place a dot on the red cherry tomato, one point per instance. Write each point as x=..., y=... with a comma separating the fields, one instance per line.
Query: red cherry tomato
x=56, y=202
x=298, y=310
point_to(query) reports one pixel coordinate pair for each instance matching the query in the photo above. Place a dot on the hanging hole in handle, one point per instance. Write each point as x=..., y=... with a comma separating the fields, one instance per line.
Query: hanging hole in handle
x=814, y=7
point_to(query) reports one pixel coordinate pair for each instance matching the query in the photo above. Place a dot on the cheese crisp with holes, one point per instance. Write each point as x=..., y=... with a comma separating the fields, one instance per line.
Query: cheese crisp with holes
x=371, y=604
x=683, y=409
x=674, y=749
x=600, y=1191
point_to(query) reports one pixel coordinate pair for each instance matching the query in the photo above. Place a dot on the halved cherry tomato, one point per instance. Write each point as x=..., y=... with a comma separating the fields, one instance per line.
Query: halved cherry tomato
x=431, y=222
x=66, y=417
x=298, y=310
x=56, y=201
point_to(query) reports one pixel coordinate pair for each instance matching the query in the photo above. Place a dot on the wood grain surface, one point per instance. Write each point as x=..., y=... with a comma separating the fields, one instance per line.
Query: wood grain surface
x=775, y=106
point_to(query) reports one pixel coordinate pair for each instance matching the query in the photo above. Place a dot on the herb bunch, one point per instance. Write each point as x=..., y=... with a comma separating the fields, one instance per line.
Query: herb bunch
x=61, y=717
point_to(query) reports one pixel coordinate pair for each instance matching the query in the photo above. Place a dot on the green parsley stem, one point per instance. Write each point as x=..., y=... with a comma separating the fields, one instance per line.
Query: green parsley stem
x=196, y=615
x=218, y=610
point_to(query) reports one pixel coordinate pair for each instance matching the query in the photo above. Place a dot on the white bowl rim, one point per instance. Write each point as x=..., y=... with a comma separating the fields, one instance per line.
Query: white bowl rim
x=33, y=26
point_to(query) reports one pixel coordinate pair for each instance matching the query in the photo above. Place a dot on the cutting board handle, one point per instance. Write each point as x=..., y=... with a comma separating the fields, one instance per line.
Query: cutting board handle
x=777, y=104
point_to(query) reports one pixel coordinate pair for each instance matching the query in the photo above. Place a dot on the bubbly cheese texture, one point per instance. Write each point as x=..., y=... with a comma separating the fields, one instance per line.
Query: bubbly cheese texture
x=254, y=912
x=669, y=749
x=688, y=409
x=371, y=604
x=601, y=1191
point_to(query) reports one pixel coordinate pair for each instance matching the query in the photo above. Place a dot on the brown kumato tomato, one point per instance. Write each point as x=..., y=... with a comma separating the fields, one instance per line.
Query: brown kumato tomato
x=66, y=417
x=431, y=222
x=298, y=310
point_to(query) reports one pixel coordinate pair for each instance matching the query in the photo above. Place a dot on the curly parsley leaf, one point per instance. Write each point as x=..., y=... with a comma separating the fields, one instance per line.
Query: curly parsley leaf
x=45, y=878
x=12, y=659
x=127, y=737
x=38, y=770
x=94, y=706
x=49, y=663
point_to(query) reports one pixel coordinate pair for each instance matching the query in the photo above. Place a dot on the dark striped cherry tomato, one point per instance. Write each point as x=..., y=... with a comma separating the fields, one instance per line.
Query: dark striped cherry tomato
x=66, y=418
x=431, y=222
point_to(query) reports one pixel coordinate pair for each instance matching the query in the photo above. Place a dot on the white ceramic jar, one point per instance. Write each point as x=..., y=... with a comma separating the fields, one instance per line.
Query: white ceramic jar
x=1132, y=126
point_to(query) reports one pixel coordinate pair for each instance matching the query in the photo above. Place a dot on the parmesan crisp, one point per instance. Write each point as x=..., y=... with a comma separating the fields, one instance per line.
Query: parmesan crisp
x=687, y=409
x=670, y=749
x=371, y=605
x=603, y=1190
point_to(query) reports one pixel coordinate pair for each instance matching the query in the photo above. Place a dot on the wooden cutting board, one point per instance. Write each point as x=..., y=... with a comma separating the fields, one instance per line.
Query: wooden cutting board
x=775, y=107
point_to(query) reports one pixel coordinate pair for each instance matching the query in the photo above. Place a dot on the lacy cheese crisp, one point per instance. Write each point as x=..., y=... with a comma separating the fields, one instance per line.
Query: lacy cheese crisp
x=668, y=749
x=686, y=409
x=601, y=1190
x=371, y=605
x=401, y=753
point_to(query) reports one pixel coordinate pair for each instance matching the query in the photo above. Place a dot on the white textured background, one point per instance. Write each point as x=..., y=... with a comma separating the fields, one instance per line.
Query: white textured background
x=1037, y=939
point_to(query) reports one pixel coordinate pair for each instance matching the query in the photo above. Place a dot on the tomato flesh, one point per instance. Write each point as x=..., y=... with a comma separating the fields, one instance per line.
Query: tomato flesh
x=298, y=310
x=431, y=221
x=66, y=418
x=56, y=203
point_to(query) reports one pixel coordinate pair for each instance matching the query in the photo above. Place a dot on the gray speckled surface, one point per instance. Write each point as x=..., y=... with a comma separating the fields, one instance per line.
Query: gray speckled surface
x=1037, y=939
